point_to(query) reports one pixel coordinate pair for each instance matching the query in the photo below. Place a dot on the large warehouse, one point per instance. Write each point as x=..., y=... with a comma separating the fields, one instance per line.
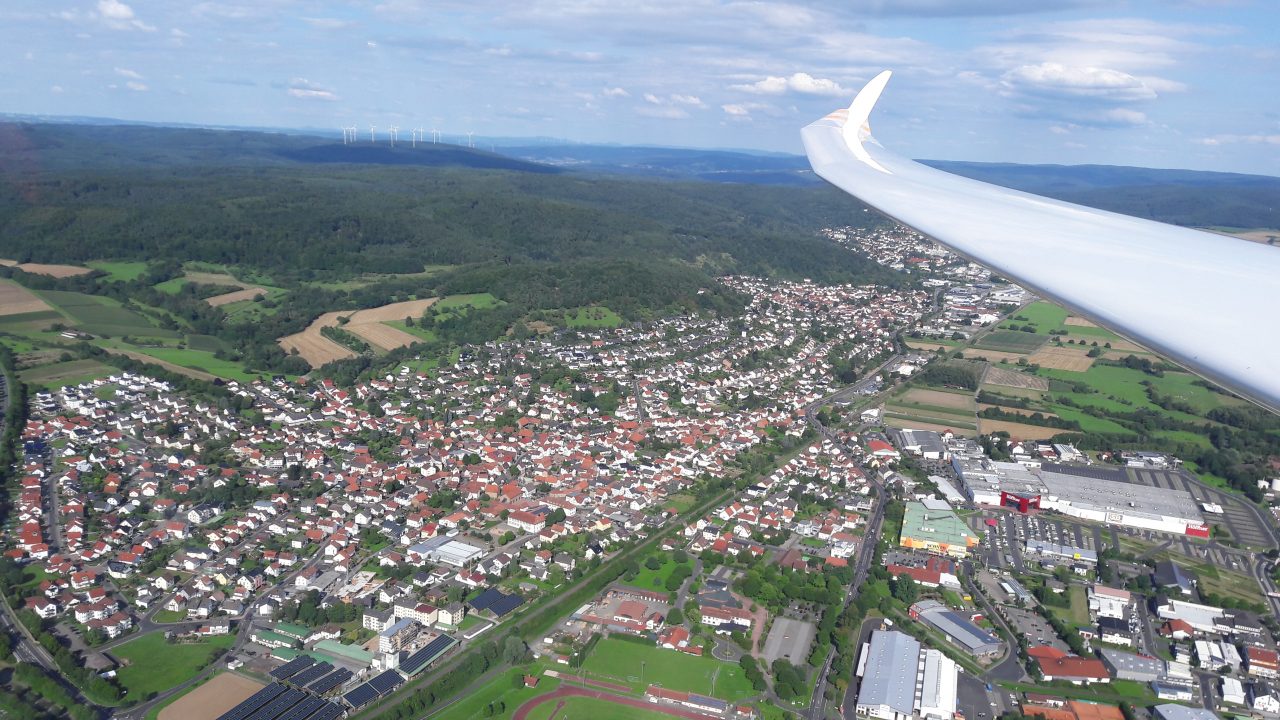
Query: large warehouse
x=902, y=680
x=1097, y=494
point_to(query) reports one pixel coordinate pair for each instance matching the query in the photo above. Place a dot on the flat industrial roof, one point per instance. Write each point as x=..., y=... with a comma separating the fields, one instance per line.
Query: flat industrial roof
x=889, y=678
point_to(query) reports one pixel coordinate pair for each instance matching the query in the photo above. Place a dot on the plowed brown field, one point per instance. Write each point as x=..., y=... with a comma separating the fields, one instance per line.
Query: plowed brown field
x=317, y=349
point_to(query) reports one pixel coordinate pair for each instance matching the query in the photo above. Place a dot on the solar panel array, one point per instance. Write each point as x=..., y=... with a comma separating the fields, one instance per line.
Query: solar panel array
x=276, y=707
x=496, y=602
x=311, y=674
x=330, y=711
x=330, y=681
x=386, y=682
x=424, y=656
x=293, y=667
x=367, y=692
x=253, y=702
x=361, y=695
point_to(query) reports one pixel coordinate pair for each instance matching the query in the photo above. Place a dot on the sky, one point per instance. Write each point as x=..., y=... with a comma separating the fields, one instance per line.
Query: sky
x=1170, y=83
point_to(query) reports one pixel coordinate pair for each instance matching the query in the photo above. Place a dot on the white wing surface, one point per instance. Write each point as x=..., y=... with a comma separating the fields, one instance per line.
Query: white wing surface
x=1205, y=301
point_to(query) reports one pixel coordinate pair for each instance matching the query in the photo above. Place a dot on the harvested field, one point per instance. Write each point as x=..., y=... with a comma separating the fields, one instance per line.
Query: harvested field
x=317, y=349
x=383, y=335
x=924, y=345
x=937, y=398
x=1121, y=344
x=212, y=278
x=918, y=425
x=212, y=699
x=1018, y=430
x=58, y=271
x=1075, y=359
x=1020, y=392
x=1074, y=321
x=1015, y=379
x=17, y=300
x=992, y=356
x=241, y=294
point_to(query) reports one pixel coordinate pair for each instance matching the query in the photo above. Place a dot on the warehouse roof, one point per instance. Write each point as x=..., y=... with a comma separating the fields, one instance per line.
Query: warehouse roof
x=889, y=678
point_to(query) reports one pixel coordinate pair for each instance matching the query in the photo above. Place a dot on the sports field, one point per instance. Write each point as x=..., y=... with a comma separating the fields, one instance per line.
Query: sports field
x=154, y=665
x=625, y=662
x=499, y=692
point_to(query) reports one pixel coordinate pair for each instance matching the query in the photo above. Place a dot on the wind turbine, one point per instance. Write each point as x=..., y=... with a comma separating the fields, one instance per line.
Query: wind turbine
x=352, y=131
x=418, y=136
x=373, y=137
x=344, y=134
x=471, y=139
x=435, y=136
x=394, y=130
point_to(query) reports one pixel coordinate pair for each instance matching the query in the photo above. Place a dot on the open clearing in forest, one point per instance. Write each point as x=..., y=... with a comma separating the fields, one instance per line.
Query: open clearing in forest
x=212, y=699
x=17, y=300
x=1071, y=357
x=317, y=349
x=250, y=293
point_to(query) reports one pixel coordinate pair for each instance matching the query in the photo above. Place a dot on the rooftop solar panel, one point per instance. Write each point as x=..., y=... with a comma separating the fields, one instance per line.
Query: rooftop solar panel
x=423, y=657
x=253, y=702
x=362, y=695
x=279, y=705
x=386, y=682
x=329, y=711
x=330, y=681
x=311, y=674
x=506, y=604
x=293, y=667
x=304, y=709
x=486, y=598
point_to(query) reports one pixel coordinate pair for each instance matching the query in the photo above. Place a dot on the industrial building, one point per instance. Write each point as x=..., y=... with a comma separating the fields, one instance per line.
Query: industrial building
x=934, y=527
x=901, y=680
x=1095, y=494
x=959, y=630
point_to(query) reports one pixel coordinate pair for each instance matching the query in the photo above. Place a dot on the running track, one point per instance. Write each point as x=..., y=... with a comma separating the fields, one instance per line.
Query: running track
x=522, y=713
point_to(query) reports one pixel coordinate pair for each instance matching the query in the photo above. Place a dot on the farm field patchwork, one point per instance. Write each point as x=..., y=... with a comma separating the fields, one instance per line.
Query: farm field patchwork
x=317, y=349
x=1010, y=341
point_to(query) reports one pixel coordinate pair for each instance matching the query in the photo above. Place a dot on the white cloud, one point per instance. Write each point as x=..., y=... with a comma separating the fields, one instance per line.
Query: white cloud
x=693, y=100
x=306, y=90
x=666, y=112
x=798, y=82
x=119, y=16
x=56, y=89
x=126, y=72
x=1058, y=80
x=744, y=110
x=1257, y=139
x=615, y=92
x=136, y=86
x=651, y=98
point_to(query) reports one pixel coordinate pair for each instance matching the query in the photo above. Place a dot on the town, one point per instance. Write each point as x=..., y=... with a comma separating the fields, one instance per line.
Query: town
x=698, y=516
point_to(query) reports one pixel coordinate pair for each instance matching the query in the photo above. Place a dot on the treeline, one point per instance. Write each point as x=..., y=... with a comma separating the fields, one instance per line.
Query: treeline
x=952, y=374
x=1035, y=418
x=15, y=420
x=96, y=688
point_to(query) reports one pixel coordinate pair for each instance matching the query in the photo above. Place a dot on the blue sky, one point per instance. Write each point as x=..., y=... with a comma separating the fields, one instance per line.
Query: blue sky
x=1177, y=83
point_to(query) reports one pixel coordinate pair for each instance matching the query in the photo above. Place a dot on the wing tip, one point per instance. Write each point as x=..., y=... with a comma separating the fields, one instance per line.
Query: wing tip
x=863, y=103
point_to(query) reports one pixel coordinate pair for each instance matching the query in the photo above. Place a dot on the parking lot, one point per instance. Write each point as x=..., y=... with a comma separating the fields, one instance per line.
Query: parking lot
x=1239, y=520
x=1033, y=627
x=789, y=638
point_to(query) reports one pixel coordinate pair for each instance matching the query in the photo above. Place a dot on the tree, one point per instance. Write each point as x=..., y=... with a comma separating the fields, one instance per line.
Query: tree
x=904, y=589
x=675, y=616
x=652, y=562
x=514, y=651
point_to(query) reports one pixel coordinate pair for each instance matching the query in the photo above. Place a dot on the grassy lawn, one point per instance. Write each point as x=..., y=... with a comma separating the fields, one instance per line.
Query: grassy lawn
x=1077, y=613
x=621, y=661
x=592, y=317
x=155, y=665
x=654, y=579
x=119, y=270
x=1010, y=341
x=585, y=707
x=198, y=360
x=951, y=421
x=473, y=300
x=172, y=286
x=500, y=689
x=1094, y=693
x=681, y=502
x=1129, y=688
x=169, y=616
x=418, y=332
x=73, y=372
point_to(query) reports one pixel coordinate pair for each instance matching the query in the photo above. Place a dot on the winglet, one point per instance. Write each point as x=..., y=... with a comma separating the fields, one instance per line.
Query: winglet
x=856, y=127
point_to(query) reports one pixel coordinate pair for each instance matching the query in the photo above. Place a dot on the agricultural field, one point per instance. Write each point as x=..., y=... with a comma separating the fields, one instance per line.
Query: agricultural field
x=16, y=300
x=1013, y=379
x=623, y=661
x=369, y=324
x=592, y=317
x=241, y=295
x=72, y=372
x=103, y=316
x=423, y=334
x=119, y=271
x=938, y=424
x=1018, y=430
x=56, y=271
x=155, y=665
x=203, y=364
x=1010, y=341
x=1067, y=357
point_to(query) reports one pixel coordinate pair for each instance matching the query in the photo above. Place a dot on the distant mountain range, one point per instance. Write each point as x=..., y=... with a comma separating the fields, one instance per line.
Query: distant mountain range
x=1185, y=197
